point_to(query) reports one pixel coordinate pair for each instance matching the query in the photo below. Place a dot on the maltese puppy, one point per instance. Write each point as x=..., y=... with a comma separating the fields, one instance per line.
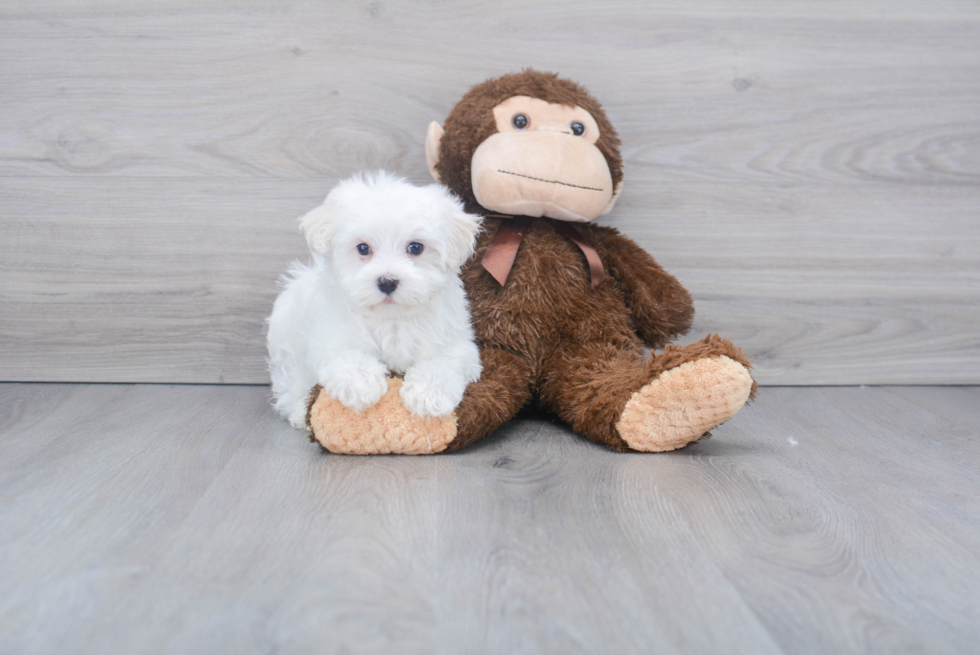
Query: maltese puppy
x=382, y=294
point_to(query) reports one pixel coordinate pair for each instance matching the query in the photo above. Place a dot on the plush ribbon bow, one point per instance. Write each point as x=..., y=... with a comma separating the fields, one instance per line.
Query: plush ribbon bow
x=502, y=249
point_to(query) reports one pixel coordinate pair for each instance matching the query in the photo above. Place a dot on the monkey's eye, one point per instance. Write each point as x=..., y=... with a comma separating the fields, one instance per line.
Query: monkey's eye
x=577, y=128
x=415, y=248
x=363, y=249
x=520, y=121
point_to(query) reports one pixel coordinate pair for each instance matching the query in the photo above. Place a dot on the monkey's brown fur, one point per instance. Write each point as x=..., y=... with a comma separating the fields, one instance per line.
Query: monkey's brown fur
x=578, y=351
x=547, y=336
x=471, y=122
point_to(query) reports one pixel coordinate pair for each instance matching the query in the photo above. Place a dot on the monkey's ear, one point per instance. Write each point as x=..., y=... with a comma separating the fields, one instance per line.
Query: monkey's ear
x=317, y=225
x=432, y=140
x=612, y=201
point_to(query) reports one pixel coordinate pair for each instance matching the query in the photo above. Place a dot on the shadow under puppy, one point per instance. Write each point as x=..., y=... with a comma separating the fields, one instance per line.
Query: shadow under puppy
x=382, y=295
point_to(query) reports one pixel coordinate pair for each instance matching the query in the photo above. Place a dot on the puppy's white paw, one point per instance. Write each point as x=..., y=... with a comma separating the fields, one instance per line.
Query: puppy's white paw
x=425, y=394
x=355, y=389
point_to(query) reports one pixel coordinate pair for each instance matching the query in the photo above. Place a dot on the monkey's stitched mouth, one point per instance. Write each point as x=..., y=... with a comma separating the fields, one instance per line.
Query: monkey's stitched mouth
x=538, y=179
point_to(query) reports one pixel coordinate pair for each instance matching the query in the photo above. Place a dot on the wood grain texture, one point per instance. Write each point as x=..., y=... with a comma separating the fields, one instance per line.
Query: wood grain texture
x=771, y=91
x=811, y=171
x=97, y=284
x=170, y=519
x=960, y=405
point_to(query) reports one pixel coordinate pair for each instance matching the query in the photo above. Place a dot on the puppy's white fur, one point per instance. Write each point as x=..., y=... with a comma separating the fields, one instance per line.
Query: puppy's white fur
x=331, y=325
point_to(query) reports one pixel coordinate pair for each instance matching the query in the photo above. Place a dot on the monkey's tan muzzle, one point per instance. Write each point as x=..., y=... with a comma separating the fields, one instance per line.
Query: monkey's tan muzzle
x=542, y=173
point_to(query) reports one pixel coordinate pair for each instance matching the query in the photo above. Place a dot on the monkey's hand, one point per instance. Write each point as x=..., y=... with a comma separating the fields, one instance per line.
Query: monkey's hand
x=662, y=309
x=386, y=427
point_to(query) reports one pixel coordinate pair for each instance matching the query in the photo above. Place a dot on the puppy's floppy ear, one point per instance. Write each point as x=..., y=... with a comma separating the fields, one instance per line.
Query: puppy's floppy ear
x=317, y=225
x=462, y=230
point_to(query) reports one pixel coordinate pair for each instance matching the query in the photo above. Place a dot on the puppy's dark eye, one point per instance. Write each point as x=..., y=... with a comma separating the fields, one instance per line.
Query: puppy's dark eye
x=363, y=249
x=415, y=248
x=577, y=128
x=520, y=121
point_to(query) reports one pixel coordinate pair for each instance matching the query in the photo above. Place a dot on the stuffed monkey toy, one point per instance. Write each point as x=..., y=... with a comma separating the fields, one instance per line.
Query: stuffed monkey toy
x=561, y=307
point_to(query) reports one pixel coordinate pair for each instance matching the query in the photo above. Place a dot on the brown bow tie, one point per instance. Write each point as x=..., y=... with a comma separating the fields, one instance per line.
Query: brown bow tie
x=502, y=249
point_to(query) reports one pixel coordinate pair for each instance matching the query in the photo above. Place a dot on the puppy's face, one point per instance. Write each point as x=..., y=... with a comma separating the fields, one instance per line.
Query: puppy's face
x=391, y=243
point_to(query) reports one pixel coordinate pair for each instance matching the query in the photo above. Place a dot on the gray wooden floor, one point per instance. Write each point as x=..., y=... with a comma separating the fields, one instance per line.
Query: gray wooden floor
x=187, y=519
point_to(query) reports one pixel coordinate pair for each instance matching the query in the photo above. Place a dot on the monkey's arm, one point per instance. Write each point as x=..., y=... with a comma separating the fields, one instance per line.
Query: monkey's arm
x=661, y=307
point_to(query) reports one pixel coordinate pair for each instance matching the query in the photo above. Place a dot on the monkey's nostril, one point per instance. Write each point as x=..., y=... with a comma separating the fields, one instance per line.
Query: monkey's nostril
x=387, y=285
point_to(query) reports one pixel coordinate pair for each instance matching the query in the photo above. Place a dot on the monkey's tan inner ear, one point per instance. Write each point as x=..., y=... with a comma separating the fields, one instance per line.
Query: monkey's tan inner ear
x=615, y=197
x=432, y=140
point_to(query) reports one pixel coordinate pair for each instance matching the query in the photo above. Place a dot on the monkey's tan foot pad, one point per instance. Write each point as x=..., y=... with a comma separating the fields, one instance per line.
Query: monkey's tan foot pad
x=684, y=403
x=385, y=428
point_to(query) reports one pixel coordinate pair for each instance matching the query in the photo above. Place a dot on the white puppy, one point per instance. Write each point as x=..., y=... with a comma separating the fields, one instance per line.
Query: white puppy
x=383, y=293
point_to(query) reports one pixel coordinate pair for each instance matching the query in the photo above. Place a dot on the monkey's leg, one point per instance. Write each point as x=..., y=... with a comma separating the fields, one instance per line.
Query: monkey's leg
x=616, y=397
x=503, y=389
x=388, y=427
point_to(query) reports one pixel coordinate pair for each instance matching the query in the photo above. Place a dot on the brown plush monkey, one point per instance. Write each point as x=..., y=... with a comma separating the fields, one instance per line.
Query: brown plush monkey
x=561, y=307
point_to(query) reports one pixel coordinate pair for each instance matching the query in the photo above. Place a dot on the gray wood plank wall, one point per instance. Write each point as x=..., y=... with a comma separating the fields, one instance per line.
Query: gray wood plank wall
x=811, y=171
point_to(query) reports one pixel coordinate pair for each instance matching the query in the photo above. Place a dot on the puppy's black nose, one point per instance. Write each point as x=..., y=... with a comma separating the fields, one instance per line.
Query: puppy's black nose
x=387, y=285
